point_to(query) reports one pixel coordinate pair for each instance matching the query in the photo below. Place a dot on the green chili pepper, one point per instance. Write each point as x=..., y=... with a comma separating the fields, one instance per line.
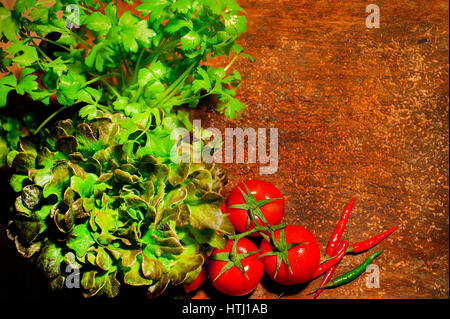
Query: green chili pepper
x=352, y=274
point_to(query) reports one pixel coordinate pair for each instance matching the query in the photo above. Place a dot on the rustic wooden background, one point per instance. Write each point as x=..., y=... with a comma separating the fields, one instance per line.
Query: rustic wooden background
x=360, y=112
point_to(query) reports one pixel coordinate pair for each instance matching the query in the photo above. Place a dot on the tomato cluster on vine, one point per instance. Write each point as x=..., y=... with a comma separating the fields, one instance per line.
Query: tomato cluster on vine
x=287, y=254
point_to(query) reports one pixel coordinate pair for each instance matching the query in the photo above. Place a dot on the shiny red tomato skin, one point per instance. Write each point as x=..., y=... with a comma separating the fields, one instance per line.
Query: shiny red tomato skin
x=233, y=281
x=197, y=282
x=223, y=207
x=303, y=259
x=273, y=212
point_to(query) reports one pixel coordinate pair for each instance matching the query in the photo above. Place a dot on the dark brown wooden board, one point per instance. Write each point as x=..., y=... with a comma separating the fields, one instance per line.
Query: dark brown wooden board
x=360, y=112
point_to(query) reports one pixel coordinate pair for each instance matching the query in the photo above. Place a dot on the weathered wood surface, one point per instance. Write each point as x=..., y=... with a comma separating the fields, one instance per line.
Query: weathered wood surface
x=360, y=112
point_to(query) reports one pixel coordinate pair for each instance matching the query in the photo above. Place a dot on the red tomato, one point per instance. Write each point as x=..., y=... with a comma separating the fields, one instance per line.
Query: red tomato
x=197, y=282
x=233, y=281
x=303, y=259
x=261, y=190
x=223, y=208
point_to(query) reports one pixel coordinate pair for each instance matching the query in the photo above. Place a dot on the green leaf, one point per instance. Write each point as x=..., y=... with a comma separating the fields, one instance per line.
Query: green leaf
x=80, y=240
x=234, y=79
x=111, y=285
x=31, y=196
x=22, y=5
x=27, y=81
x=103, y=260
x=49, y=260
x=176, y=25
x=126, y=256
x=22, y=161
x=203, y=82
x=83, y=187
x=8, y=24
x=190, y=40
x=154, y=89
x=99, y=56
x=120, y=103
x=90, y=95
x=89, y=111
x=154, y=7
x=205, y=211
x=4, y=150
x=98, y=23
x=111, y=12
x=152, y=268
x=133, y=108
x=133, y=276
x=60, y=180
x=107, y=220
x=144, y=76
x=210, y=237
x=69, y=87
x=231, y=107
x=178, y=173
x=185, y=264
x=7, y=84
x=24, y=55
x=28, y=228
x=133, y=31
x=234, y=24
x=144, y=34
x=96, y=283
x=182, y=5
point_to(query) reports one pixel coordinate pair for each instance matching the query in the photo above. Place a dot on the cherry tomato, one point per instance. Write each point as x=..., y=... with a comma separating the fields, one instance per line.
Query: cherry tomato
x=197, y=281
x=233, y=281
x=223, y=208
x=261, y=190
x=303, y=259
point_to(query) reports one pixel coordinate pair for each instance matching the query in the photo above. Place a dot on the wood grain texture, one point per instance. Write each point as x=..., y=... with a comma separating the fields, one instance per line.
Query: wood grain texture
x=360, y=112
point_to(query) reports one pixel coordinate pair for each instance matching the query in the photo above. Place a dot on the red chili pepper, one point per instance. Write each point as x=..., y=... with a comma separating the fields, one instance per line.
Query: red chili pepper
x=337, y=234
x=356, y=248
x=326, y=279
x=369, y=243
x=340, y=253
x=334, y=240
x=352, y=274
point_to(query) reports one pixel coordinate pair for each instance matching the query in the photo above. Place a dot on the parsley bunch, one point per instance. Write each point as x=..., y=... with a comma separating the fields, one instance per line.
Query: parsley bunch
x=88, y=54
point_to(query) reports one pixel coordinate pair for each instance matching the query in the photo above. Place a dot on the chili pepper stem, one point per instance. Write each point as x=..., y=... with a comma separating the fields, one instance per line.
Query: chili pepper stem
x=325, y=259
x=328, y=285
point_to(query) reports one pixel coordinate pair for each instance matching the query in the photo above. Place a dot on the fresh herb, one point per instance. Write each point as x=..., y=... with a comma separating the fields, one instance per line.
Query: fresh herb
x=100, y=192
x=11, y=129
x=130, y=63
